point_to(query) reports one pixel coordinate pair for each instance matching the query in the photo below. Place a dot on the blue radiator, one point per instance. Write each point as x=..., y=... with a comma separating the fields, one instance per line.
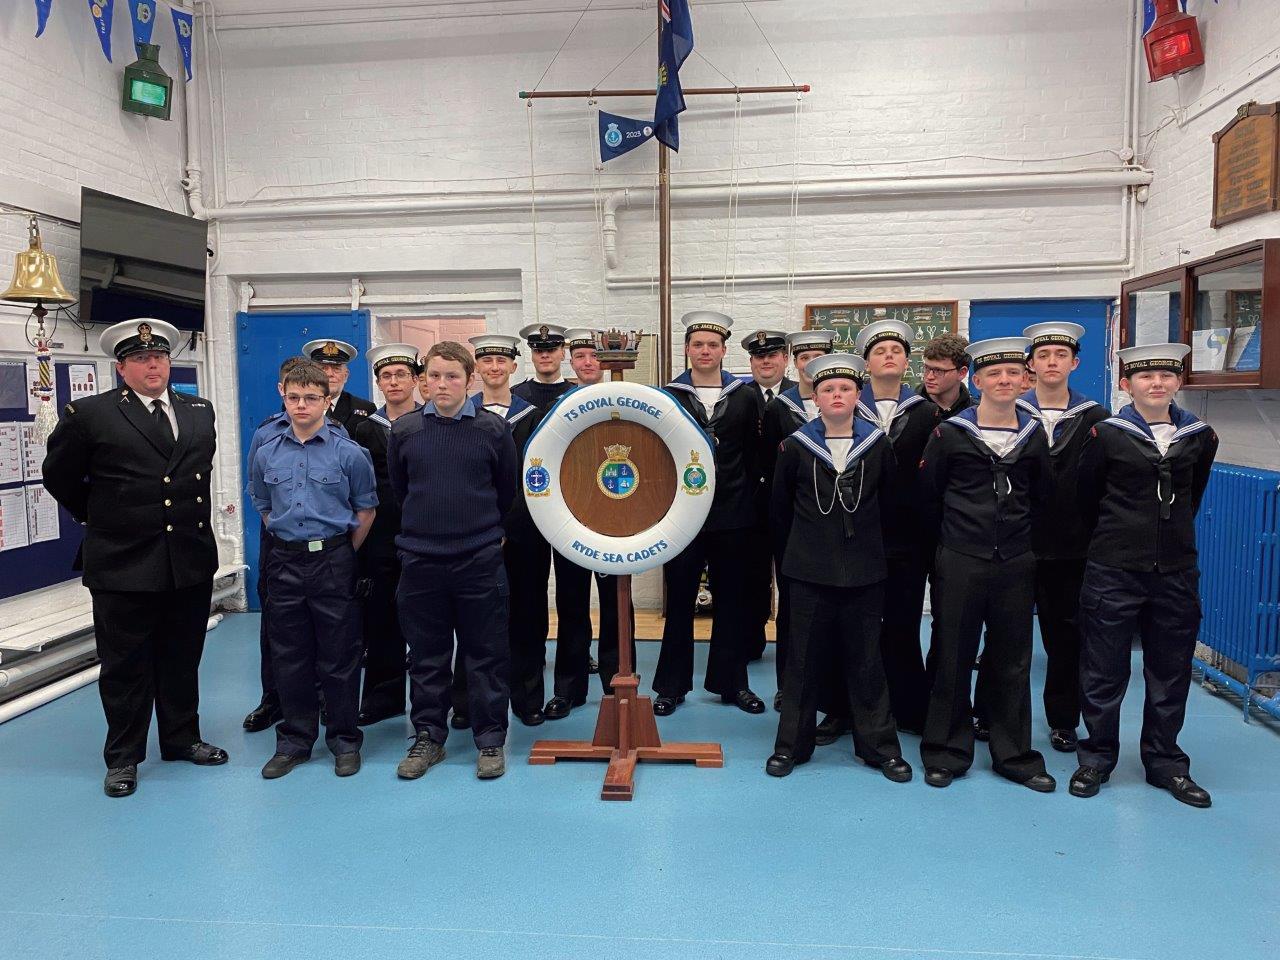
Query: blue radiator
x=1238, y=533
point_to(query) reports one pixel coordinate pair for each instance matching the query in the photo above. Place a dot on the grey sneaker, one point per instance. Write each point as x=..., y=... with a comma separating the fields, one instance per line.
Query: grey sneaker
x=423, y=755
x=492, y=763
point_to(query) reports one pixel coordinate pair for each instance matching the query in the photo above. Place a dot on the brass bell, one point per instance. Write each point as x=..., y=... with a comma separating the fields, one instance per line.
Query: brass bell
x=35, y=275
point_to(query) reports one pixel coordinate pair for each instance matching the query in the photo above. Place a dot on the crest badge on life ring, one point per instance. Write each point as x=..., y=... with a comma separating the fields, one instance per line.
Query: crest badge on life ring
x=617, y=477
x=537, y=481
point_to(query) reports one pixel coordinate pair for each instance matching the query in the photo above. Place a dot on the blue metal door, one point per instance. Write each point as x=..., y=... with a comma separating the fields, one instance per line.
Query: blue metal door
x=266, y=340
x=1007, y=318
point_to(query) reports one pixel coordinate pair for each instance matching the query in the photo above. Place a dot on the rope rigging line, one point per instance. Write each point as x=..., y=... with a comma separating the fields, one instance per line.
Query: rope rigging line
x=533, y=216
x=790, y=80
x=795, y=209
x=600, y=82
x=562, y=44
x=597, y=204
x=731, y=228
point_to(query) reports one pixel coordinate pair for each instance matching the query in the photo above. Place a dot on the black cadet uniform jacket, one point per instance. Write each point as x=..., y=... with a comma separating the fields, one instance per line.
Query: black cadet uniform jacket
x=522, y=418
x=1063, y=535
x=913, y=423
x=734, y=428
x=964, y=400
x=819, y=540
x=979, y=504
x=373, y=433
x=351, y=411
x=782, y=416
x=1141, y=506
x=541, y=394
x=144, y=499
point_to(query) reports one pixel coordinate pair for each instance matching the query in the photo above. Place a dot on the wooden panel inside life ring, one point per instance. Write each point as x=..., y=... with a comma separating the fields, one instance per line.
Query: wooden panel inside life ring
x=618, y=478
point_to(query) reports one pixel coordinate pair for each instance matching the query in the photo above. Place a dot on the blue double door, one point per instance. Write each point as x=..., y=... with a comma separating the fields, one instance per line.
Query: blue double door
x=1008, y=318
x=263, y=342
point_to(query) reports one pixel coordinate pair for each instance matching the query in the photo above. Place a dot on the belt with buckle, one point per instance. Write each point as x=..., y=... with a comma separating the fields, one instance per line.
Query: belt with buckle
x=313, y=546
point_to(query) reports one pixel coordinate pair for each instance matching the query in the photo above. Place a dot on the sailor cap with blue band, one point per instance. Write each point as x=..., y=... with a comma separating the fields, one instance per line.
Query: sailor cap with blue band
x=834, y=365
x=1055, y=333
x=1153, y=356
x=389, y=353
x=709, y=321
x=138, y=336
x=764, y=341
x=882, y=330
x=543, y=336
x=985, y=353
x=329, y=351
x=805, y=341
x=495, y=345
x=579, y=337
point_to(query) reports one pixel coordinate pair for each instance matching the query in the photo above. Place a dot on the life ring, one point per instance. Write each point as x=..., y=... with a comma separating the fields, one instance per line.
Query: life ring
x=618, y=477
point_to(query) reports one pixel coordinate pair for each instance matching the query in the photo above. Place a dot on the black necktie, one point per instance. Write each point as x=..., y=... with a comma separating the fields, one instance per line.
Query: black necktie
x=163, y=427
x=768, y=394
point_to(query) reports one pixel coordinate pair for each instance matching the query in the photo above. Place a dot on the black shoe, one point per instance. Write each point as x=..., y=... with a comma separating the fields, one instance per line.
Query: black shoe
x=938, y=776
x=666, y=706
x=1184, y=789
x=200, y=753
x=121, y=781
x=831, y=729
x=981, y=731
x=592, y=667
x=895, y=769
x=347, y=764
x=263, y=717
x=1041, y=783
x=558, y=708
x=1087, y=781
x=781, y=764
x=281, y=764
x=366, y=718
x=746, y=701
x=1063, y=740
x=777, y=702
x=534, y=718
x=460, y=721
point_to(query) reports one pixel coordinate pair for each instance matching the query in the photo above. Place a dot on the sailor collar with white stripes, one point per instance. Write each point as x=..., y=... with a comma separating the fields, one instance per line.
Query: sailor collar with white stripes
x=794, y=402
x=684, y=382
x=1132, y=422
x=906, y=399
x=813, y=437
x=1077, y=403
x=517, y=410
x=968, y=420
x=380, y=417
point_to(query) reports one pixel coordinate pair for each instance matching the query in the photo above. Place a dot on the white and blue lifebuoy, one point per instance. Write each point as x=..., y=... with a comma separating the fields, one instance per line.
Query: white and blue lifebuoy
x=695, y=479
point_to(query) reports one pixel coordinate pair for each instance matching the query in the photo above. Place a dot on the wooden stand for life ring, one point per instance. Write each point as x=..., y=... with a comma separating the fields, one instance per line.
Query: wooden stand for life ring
x=626, y=729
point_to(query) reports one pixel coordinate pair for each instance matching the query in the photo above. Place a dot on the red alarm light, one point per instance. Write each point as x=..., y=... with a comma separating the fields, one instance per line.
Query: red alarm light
x=1173, y=42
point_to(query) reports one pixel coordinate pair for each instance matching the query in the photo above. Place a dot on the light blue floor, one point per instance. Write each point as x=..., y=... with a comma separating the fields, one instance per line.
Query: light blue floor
x=831, y=862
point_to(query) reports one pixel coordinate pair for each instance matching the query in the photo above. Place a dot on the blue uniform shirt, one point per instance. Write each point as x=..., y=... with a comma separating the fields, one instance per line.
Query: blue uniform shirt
x=467, y=409
x=312, y=490
x=275, y=425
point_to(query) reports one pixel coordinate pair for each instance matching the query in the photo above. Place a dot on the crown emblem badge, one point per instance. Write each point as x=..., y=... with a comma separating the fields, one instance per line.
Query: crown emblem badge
x=617, y=477
x=694, y=478
x=330, y=349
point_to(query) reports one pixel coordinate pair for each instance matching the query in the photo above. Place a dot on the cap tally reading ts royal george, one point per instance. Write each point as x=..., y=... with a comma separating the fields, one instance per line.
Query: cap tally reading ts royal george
x=805, y=341
x=835, y=366
x=495, y=345
x=999, y=350
x=1154, y=356
x=389, y=353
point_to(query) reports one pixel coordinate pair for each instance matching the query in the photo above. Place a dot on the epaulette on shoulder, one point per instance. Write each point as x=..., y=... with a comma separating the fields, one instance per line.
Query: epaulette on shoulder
x=69, y=408
x=356, y=411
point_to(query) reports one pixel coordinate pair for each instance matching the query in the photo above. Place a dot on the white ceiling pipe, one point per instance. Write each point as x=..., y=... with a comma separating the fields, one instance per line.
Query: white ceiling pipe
x=52, y=691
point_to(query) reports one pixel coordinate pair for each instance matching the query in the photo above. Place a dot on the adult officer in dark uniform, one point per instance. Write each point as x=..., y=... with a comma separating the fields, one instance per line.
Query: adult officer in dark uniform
x=395, y=371
x=784, y=415
x=1061, y=541
x=133, y=465
x=983, y=481
x=1142, y=475
x=334, y=356
x=729, y=411
x=767, y=350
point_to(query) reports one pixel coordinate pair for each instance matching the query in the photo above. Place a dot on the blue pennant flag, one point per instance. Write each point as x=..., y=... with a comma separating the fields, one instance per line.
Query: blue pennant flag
x=143, y=13
x=182, y=26
x=619, y=135
x=100, y=10
x=675, y=43
x=42, y=15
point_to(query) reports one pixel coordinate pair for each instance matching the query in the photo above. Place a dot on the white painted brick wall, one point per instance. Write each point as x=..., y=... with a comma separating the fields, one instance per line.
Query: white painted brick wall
x=1241, y=38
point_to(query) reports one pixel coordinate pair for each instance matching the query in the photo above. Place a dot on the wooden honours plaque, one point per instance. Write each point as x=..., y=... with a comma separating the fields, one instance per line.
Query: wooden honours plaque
x=1246, y=166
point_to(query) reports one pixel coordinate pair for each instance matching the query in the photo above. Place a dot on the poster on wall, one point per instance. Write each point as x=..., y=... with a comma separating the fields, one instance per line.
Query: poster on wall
x=42, y=514
x=13, y=519
x=10, y=453
x=83, y=379
x=33, y=452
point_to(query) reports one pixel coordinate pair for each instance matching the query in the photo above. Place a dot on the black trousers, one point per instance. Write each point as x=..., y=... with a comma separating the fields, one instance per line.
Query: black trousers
x=314, y=623
x=722, y=551
x=969, y=592
x=836, y=624
x=150, y=644
x=1164, y=610
x=759, y=591
x=270, y=696
x=529, y=559
x=899, y=647
x=384, y=645
x=467, y=595
x=1058, y=584
x=607, y=657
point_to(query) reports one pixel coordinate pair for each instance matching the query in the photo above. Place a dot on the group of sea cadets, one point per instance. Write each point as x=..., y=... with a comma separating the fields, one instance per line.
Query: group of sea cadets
x=846, y=489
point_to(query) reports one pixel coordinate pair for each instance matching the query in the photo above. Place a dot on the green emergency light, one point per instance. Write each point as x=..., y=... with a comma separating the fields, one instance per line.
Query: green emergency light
x=147, y=88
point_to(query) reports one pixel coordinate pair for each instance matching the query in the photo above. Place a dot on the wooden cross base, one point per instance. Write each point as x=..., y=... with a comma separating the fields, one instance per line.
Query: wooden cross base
x=626, y=730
